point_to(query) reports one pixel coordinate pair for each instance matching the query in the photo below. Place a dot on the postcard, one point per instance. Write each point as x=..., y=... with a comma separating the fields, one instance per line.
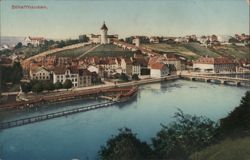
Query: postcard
x=124, y=79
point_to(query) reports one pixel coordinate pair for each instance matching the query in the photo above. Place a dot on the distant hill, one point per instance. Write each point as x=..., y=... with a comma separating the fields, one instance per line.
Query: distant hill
x=10, y=41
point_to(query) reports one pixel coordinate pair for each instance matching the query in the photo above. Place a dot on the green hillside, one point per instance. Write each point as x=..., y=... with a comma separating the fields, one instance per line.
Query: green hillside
x=74, y=52
x=109, y=50
x=238, y=52
x=199, y=50
x=229, y=149
x=195, y=50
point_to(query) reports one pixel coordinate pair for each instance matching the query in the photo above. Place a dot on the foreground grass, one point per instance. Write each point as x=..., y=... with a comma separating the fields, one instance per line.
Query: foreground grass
x=229, y=149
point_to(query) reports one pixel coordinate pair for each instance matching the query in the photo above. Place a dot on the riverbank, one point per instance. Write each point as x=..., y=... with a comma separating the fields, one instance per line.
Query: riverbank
x=77, y=93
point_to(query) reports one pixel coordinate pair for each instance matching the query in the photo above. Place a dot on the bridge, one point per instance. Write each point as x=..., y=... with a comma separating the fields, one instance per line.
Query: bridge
x=216, y=78
x=44, y=117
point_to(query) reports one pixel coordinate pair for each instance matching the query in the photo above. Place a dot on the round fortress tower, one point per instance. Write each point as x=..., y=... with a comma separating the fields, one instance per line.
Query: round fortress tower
x=104, y=34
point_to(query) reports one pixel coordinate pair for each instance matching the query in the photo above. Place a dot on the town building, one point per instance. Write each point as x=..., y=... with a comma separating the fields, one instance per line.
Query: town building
x=61, y=74
x=214, y=65
x=136, y=68
x=39, y=73
x=127, y=66
x=84, y=78
x=104, y=34
x=36, y=41
x=94, y=38
x=158, y=70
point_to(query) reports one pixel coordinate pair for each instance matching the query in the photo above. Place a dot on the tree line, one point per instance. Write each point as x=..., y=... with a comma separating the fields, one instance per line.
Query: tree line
x=37, y=86
x=11, y=74
x=177, y=141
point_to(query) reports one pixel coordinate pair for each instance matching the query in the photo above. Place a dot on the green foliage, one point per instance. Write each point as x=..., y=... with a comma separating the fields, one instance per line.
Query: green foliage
x=123, y=77
x=17, y=73
x=38, y=87
x=184, y=136
x=67, y=84
x=125, y=146
x=12, y=74
x=48, y=85
x=239, y=118
x=58, y=85
x=26, y=87
x=95, y=78
x=19, y=45
x=135, y=77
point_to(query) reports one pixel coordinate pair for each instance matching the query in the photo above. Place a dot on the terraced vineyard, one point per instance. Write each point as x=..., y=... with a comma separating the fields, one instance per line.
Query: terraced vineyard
x=109, y=50
x=74, y=52
x=238, y=52
x=195, y=50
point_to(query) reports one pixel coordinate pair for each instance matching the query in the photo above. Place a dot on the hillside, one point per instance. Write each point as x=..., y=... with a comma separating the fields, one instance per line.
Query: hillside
x=74, y=52
x=109, y=50
x=229, y=149
x=238, y=52
x=195, y=50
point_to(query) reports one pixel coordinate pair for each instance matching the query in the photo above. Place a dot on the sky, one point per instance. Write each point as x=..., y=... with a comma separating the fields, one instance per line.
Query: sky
x=69, y=18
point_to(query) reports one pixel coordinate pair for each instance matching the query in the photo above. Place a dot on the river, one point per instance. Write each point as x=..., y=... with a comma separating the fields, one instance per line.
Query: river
x=81, y=135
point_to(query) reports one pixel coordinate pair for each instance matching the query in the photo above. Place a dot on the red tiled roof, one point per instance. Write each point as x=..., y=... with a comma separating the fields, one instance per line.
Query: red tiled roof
x=157, y=66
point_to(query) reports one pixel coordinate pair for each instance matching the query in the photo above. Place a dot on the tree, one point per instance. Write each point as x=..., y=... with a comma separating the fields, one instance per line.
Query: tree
x=135, y=77
x=233, y=40
x=16, y=73
x=58, y=85
x=186, y=135
x=125, y=146
x=67, y=84
x=38, y=87
x=26, y=87
x=48, y=85
x=239, y=118
x=19, y=45
x=124, y=77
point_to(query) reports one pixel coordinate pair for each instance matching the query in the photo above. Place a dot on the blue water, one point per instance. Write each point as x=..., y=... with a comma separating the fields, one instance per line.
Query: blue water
x=82, y=134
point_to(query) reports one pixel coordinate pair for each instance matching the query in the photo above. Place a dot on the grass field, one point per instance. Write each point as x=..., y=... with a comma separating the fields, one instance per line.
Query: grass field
x=229, y=149
x=109, y=50
x=74, y=52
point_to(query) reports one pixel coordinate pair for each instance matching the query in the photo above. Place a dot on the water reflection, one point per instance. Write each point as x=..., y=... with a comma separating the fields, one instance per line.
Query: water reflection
x=81, y=135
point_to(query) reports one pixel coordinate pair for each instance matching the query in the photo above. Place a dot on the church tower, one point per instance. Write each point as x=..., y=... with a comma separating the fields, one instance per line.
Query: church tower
x=104, y=34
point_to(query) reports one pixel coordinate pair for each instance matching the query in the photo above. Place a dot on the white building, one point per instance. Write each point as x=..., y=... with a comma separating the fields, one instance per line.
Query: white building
x=136, y=41
x=60, y=74
x=158, y=70
x=39, y=73
x=36, y=41
x=104, y=34
x=96, y=39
